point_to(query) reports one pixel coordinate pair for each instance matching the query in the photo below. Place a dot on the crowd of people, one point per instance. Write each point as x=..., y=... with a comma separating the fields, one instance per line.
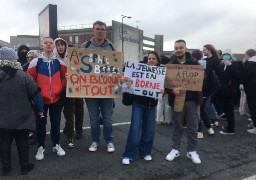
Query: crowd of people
x=31, y=84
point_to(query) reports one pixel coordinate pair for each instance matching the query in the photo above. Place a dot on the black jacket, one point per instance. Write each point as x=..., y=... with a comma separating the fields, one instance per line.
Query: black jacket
x=190, y=95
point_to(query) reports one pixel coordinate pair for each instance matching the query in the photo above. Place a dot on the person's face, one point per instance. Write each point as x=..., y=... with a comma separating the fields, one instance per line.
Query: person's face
x=152, y=60
x=47, y=44
x=61, y=48
x=128, y=83
x=206, y=52
x=30, y=57
x=99, y=32
x=180, y=49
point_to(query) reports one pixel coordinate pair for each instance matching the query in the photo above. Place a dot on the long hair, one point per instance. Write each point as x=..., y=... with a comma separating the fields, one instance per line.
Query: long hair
x=157, y=56
x=212, y=49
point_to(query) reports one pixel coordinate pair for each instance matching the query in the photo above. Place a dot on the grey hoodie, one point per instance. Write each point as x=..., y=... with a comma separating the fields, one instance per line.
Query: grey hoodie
x=105, y=46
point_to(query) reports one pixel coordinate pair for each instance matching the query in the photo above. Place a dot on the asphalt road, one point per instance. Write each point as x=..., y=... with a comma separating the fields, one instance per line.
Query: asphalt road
x=223, y=157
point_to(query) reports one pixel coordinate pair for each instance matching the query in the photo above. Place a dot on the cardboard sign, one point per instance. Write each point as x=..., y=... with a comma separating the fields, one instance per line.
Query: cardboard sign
x=189, y=77
x=144, y=80
x=93, y=73
x=179, y=102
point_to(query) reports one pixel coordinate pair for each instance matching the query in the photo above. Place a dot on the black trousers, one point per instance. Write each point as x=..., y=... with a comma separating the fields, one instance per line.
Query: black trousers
x=21, y=138
x=204, y=117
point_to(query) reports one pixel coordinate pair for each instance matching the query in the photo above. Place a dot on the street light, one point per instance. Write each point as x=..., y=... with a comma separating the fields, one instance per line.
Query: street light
x=123, y=16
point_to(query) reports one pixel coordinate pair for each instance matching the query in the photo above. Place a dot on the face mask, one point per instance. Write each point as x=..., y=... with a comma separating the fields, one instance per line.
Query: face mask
x=205, y=54
x=227, y=57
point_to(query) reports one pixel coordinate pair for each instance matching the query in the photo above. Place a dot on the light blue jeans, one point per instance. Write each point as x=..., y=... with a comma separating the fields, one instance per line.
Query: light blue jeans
x=210, y=109
x=105, y=105
x=141, y=134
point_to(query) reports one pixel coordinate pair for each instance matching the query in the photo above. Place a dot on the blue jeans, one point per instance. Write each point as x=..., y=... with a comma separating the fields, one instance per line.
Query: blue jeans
x=210, y=109
x=141, y=134
x=105, y=105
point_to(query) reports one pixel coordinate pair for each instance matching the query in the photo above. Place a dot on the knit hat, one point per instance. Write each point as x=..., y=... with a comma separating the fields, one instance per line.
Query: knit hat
x=8, y=57
x=8, y=54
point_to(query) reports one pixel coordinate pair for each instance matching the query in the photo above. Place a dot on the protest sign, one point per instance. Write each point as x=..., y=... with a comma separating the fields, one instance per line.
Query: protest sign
x=93, y=73
x=144, y=80
x=189, y=77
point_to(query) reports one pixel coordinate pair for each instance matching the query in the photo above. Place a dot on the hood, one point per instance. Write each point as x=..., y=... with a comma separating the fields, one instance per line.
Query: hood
x=228, y=55
x=2, y=75
x=58, y=56
x=253, y=59
x=23, y=55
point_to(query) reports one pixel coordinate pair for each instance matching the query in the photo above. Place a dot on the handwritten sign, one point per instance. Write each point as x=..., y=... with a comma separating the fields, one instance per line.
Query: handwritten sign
x=144, y=80
x=189, y=77
x=94, y=73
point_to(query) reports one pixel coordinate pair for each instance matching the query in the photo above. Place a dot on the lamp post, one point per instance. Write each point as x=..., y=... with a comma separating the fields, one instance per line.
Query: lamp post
x=123, y=16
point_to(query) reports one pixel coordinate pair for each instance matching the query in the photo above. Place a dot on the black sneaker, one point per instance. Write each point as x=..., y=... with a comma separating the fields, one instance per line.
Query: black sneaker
x=27, y=169
x=78, y=135
x=70, y=143
x=225, y=131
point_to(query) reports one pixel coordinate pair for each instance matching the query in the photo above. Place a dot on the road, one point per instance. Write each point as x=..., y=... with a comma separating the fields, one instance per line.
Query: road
x=223, y=156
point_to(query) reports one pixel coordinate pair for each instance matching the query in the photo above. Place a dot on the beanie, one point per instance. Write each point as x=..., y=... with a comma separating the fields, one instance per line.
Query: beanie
x=8, y=57
x=8, y=54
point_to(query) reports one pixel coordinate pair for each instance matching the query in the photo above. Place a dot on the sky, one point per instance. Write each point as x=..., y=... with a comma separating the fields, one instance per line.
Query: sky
x=226, y=24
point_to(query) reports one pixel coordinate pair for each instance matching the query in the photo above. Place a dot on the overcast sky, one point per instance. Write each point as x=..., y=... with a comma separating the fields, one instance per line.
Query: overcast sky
x=223, y=23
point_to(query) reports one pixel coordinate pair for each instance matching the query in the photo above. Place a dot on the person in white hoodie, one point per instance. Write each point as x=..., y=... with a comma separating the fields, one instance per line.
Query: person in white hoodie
x=72, y=106
x=249, y=82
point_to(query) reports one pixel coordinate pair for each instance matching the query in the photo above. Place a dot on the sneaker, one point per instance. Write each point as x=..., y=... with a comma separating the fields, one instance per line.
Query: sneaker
x=93, y=147
x=172, y=155
x=70, y=143
x=225, y=131
x=126, y=161
x=79, y=135
x=216, y=124
x=57, y=149
x=110, y=147
x=31, y=135
x=210, y=131
x=148, y=158
x=25, y=170
x=40, y=153
x=252, y=131
x=200, y=135
x=249, y=119
x=194, y=157
x=250, y=125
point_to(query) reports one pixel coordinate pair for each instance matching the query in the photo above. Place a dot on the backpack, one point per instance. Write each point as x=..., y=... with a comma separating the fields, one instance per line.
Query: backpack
x=89, y=43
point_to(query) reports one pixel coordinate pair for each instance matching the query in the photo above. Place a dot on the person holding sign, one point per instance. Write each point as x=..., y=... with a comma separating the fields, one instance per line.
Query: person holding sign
x=97, y=105
x=141, y=133
x=190, y=111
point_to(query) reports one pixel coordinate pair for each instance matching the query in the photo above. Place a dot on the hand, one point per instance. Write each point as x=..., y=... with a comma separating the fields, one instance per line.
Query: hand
x=226, y=62
x=124, y=79
x=41, y=114
x=66, y=76
x=177, y=91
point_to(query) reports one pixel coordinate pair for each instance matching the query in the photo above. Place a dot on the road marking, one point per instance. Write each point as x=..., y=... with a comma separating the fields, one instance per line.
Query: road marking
x=251, y=178
x=115, y=124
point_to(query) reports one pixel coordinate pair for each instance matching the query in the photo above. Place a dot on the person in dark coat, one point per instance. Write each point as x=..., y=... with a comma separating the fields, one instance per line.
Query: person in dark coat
x=17, y=116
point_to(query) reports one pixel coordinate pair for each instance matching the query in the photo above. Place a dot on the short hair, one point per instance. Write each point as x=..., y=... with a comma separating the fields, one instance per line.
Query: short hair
x=99, y=23
x=197, y=54
x=250, y=52
x=180, y=40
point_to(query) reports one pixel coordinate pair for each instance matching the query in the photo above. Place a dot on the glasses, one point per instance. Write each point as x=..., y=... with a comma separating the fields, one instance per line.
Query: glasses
x=100, y=29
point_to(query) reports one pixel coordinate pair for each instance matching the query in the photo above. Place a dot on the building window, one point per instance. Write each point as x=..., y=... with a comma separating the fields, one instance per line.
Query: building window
x=70, y=40
x=76, y=39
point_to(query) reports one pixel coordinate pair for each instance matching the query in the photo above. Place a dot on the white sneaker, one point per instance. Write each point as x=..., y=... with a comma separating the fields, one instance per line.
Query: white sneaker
x=126, y=161
x=40, y=153
x=200, y=135
x=93, y=147
x=148, y=158
x=57, y=149
x=172, y=155
x=252, y=131
x=210, y=131
x=110, y=147
x=194, y=157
